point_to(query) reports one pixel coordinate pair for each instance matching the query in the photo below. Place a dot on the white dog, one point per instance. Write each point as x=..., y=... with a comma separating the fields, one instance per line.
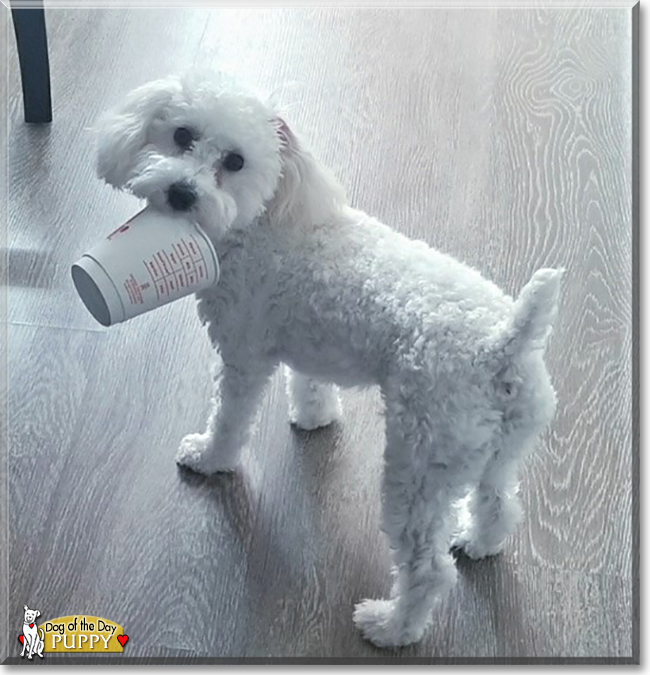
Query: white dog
x=33, y=643
x=342, y=299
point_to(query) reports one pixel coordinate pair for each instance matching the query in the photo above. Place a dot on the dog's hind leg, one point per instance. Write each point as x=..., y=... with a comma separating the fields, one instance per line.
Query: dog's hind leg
x=495, y=510
x=240, y=391
x=494, y=505
x=421, y=482
x=312, y=403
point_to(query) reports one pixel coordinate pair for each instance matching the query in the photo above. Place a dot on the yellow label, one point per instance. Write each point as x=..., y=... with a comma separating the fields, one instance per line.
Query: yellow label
x=82, y=634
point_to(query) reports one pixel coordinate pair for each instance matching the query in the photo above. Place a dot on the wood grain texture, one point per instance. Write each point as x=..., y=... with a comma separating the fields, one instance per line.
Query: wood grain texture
x=500, y=136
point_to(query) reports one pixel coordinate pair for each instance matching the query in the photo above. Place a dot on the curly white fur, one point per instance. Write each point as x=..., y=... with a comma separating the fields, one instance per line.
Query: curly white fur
x=343, y=299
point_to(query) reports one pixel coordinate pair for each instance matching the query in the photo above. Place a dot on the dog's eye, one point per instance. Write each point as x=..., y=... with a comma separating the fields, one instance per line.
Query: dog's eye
x=183, y=137
x=233, y=162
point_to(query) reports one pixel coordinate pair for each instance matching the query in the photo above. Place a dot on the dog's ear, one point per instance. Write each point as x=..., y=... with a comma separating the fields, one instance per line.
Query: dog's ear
x=38, y=612
x=122, y=132
x=288, y=141
x=25, y=607
x=307, y=192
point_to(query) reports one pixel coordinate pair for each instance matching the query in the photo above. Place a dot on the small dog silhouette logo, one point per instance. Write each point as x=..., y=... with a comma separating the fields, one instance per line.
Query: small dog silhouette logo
x=33, y=638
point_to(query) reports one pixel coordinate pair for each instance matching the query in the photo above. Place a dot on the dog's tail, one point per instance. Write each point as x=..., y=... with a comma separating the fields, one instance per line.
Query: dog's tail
x=42, y=634
x=533, y=313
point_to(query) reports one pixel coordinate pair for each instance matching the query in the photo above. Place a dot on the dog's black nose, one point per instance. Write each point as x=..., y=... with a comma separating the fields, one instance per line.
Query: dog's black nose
x=181, y=196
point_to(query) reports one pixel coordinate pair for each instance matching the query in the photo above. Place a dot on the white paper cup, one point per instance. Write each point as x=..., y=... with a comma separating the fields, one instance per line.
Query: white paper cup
x=149, y=261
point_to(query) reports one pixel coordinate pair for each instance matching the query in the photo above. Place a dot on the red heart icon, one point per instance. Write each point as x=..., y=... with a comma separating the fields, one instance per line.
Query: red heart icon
x=122, y=639
x=31, y=625
x=22, y=639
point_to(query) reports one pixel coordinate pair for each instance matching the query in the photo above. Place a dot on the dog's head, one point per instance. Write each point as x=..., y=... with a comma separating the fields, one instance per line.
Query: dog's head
x=31, y=614
x=204, y=146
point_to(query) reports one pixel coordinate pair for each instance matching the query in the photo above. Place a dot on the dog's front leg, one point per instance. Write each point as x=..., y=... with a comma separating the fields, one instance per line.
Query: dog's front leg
x=30, y=648
x=312, y=403
x=239, y=392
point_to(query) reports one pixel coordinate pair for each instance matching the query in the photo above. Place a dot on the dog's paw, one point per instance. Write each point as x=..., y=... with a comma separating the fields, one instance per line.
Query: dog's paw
x=378, y=623
x=196, y=452
x=317, y=413
x=311, y=422
x=474, y=548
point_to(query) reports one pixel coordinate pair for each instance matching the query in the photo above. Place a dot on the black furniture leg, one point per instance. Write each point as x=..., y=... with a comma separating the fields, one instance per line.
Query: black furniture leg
x=31, y=38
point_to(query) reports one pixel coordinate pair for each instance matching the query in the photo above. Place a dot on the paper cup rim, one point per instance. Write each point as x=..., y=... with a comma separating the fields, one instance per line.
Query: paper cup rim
x=93, y=285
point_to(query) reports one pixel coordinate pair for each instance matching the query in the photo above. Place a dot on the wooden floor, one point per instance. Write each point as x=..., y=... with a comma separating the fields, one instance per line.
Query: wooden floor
x=503, y=137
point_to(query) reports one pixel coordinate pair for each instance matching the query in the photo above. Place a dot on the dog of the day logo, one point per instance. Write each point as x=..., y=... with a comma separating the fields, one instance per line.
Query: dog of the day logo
x=76, y=634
